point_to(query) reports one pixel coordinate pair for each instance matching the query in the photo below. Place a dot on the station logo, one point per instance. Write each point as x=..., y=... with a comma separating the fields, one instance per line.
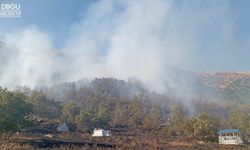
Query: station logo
x=10, y=10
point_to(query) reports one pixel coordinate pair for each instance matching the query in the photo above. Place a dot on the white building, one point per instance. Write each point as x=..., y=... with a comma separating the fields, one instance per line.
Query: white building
x=63, y=127
x=231, y=136
x=101, y=133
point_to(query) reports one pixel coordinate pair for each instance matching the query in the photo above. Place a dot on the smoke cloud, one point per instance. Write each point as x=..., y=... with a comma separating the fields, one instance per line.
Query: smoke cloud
x=119, y=39
x=25, y=59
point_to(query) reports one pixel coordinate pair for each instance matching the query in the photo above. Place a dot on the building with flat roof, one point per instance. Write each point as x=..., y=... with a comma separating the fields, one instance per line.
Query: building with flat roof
x=230, y=136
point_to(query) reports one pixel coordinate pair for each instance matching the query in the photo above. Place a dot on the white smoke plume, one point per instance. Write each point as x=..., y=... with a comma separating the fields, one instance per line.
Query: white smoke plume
x=117, y=39
x=27, y=59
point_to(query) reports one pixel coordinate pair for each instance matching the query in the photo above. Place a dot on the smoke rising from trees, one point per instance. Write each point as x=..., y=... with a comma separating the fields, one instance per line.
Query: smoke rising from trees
x=118, y=39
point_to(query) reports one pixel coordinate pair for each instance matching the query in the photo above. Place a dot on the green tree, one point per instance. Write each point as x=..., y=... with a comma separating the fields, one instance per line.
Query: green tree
x=188, y=127
x=152, y=120
x=103, y=116
x=120, y=114
x=135, y=112
x=70, y=111
x=178, y=116
x=85, y=121
x=240, y=120
x=43, y=107
x=205, y=127
x=14, y=111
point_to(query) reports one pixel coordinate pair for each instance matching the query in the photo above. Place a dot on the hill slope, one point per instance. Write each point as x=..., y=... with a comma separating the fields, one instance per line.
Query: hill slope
x=228, y=86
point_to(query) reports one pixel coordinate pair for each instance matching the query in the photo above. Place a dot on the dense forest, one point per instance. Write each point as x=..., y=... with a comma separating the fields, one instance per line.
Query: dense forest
x=112, y=103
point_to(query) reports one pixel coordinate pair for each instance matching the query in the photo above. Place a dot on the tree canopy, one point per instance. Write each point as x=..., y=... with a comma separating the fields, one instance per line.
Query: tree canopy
x=14, y=111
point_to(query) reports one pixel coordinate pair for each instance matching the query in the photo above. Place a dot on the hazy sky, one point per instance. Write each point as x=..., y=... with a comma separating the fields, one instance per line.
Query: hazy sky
x=196, y=35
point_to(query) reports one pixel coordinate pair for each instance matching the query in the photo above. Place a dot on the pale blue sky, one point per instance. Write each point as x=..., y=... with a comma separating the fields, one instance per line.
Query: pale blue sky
x=219, y=44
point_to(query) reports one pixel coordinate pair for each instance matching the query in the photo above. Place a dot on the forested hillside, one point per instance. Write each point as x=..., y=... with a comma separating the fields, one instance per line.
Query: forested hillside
x=110, y=103
x=228, y=86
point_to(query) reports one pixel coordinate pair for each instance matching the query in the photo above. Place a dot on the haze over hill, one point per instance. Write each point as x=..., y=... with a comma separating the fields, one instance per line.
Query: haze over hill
x=152, y=41
x=188, y=86
x=226, y=86
x=122, y=40
x=230, y=86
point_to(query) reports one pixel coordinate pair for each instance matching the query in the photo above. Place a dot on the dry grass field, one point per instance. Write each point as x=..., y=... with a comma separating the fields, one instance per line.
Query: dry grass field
x=80, y=141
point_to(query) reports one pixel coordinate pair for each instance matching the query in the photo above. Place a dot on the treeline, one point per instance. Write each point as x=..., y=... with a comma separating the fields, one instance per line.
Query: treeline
x=99, y=104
